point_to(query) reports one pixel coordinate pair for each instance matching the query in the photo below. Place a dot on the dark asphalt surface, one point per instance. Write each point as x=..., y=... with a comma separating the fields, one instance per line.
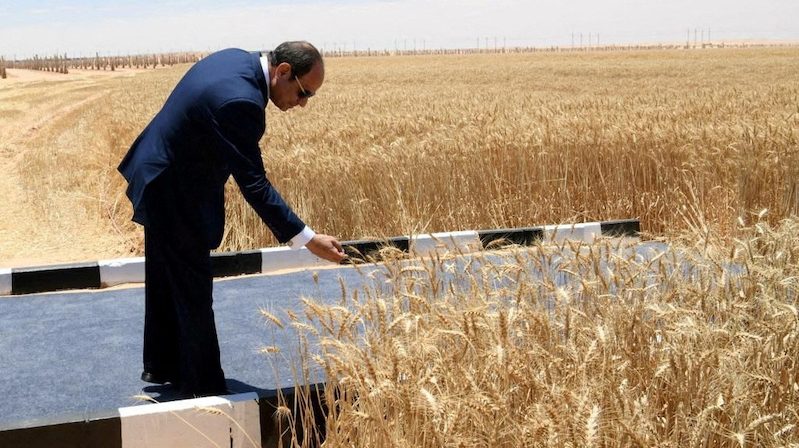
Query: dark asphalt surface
x=77, y=355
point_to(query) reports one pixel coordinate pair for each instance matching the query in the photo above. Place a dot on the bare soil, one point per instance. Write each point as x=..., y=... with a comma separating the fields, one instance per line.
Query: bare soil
x=30, y=103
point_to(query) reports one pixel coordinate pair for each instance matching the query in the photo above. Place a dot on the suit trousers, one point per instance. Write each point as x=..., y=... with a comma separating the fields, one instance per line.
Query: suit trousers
x=180, y=339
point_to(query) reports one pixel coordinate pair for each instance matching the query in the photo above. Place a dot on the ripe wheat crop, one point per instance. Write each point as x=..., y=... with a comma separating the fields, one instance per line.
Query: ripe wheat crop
x=696, y=345
x=398, y=145
x=647, y=354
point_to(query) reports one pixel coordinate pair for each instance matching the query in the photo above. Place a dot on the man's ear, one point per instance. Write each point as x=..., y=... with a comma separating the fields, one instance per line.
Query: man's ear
x=284, y=70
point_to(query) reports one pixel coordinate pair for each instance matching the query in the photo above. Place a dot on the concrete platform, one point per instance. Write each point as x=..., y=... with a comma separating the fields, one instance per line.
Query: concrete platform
x=77, y=355
x=70, y=361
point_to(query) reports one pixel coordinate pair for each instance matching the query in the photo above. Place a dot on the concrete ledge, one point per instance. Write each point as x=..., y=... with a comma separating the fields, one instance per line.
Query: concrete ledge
x=443, y=243
x=5, y=281
x=236, y=263
x=370, y=250
x=620, y=227
x=121, y=270
x=525, y=236
x=237, y=421
x=100, y=432
x=580, y=232
x=222, y=421
x=279, y=258
x=57, y=277
x=131, y=270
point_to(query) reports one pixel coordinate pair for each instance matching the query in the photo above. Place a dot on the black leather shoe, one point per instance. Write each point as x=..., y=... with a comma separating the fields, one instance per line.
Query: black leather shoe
x=156, y=378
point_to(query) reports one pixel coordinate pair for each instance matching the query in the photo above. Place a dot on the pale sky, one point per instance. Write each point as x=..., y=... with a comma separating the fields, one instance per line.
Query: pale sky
x=83, y=27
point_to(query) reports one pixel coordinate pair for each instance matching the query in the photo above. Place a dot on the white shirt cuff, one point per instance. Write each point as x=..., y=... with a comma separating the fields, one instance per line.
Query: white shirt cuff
x=301, y=239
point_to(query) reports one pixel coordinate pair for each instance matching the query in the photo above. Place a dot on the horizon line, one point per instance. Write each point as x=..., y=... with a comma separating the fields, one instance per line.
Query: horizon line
x=421, y=51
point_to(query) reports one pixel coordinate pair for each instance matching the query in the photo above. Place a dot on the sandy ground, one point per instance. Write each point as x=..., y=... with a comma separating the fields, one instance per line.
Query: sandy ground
x=29, y=102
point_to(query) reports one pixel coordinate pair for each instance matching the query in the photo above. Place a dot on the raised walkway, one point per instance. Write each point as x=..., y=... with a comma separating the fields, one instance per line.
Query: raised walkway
x=70, y=361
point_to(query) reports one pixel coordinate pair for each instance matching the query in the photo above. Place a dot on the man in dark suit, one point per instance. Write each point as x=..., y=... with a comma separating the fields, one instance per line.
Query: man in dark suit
x=208, y=129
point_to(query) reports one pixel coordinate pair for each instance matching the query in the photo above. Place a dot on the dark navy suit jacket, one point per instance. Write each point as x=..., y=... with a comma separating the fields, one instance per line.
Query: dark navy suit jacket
x=208, y=129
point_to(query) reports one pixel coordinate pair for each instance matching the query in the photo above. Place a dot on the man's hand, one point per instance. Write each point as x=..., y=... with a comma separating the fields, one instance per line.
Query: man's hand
x=327, y=248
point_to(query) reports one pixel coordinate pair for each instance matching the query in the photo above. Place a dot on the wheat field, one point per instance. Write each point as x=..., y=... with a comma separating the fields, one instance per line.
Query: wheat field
x=398, y=145
x=696, y=348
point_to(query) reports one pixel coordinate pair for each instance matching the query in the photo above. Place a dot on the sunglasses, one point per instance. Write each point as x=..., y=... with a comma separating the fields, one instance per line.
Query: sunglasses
x=303, y=94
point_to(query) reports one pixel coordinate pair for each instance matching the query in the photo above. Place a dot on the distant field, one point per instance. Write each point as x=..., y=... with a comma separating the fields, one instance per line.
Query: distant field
x=393, y=145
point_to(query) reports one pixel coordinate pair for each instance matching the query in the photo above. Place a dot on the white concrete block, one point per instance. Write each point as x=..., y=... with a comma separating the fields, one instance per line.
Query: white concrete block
x=445, y=242
x=121, y=270
x=231, y=421
x=591, y=231
x=586, y=231
x=278, y=258
x=561, y=232
x=5, y=281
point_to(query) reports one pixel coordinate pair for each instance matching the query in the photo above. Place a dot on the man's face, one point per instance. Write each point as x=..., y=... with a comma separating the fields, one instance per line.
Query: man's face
x=287, y=91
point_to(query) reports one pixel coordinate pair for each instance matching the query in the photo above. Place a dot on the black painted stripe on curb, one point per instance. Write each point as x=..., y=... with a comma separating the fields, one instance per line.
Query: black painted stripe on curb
x=100, y=433
x=275, y=430
x=54, y=278
x=621, y=227
x=226, y=264
x=370, y=250
x=526, y=236
x=106, y=432
x=87, y=275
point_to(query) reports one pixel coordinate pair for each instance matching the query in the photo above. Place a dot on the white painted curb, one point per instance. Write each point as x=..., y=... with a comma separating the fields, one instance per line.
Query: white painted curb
x=121, y=270
x=586, y=232
x=591, y=231
x=207, y=421
x=5, y=281
x=279, y=258
x=276, y=259
x=465, y=241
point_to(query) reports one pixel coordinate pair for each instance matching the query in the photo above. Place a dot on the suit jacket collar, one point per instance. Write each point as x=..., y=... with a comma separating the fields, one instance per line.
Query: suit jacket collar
x=263, y=83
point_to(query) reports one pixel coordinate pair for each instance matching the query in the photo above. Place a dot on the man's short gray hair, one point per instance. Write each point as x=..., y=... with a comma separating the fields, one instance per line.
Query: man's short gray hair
x=300, y=55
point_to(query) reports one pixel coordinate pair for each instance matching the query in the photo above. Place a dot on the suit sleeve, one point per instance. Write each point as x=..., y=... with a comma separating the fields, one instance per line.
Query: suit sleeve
x=238, y=126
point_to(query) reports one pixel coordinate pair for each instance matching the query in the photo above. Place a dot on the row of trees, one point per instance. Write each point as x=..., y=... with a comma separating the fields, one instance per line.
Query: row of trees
x=502, y=49
x=63, y=63
x=446, y=51
x=56, y=64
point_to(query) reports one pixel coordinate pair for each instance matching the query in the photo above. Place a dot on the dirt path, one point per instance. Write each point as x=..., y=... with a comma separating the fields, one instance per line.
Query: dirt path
x=12, y=194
